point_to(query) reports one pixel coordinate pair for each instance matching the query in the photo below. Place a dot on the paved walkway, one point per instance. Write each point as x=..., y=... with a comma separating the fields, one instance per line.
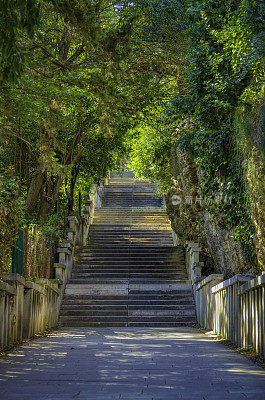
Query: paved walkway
x=129, y=364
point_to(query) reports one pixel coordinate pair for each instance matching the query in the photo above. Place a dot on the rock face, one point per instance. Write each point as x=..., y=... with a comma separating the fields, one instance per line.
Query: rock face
x=191, y=222
x=226, y=252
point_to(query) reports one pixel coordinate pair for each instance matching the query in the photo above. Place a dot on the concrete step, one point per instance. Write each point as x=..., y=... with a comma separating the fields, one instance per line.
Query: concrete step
x=121, y=280
x=126, y=324
x=128, y=262
x=128, y=242
x=103, y=319
x=133, y=259
x=76, y=303
x=123, y=238
x=126, y=212
x=109, y=271
x=121, y=306
x=124, y=288
x=127, y=274
x=127, y=313
x=131, y=250
x=134, y=297
x=125, y=254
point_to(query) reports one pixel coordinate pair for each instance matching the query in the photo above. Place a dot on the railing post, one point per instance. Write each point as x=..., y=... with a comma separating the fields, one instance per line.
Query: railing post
x=205, y=301
x=193, y=264
x=227, y=315
x=7, y=298
x=18, y=283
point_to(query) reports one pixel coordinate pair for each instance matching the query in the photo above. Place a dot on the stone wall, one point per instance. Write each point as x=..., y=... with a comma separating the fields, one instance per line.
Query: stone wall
x=192, y=223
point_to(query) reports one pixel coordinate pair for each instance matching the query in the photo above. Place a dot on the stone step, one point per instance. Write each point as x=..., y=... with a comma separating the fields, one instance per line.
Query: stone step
x=132, y=259
x=131, y=201
x=130, y=192
x=108, y=304
x=131, y=212
x=152, y=229
x=121, y=306
x=135, y=296
x=142, y=303
x=128, y=263
x=135, y=258
x=131, y=250
x=121, y=280
x=128, y=313
x=124, y=288
x=125, y=253
x=103, y=319
x=128, y=204
x=157, y=236
x=128, y=267
x=128, y=242
x=84, y=271
x=130, y=226
x=77, y=274
x=111, y=233
x=121, y=238
x=144, y=228
x=131, y=215
x=127, y=212
x=124, y=238
x=159, y=259
x=127, y=324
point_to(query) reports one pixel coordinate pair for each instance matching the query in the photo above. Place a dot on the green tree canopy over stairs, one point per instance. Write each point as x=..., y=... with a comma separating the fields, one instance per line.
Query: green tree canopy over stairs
x=129, y=274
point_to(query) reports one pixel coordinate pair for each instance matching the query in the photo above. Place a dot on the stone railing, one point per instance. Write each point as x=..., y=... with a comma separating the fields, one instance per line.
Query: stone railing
x=226, y=320
x=28, y=308
x=193, y=264
x=251, y=304
x=234, y=308
x=205, y=306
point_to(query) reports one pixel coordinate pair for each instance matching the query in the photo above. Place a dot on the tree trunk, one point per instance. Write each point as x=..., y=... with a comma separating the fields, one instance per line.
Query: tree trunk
x=75, y=171
x=36, y=184
x=49, y=202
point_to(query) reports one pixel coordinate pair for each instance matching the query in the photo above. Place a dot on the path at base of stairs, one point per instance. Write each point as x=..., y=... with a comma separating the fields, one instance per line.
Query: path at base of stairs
x=128, y=364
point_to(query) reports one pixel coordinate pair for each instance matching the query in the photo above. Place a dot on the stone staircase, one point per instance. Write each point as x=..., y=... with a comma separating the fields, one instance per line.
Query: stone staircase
x=129, y=274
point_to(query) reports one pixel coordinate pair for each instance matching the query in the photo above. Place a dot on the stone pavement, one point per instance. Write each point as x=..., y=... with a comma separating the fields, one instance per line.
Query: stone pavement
x=128, y=364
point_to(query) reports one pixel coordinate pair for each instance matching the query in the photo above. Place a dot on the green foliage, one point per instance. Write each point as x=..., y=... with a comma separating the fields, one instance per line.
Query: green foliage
x=11, y=217
x=52, y=228
x=218, y=80
x=223, y=68
x=16, y=18
x=99, y=81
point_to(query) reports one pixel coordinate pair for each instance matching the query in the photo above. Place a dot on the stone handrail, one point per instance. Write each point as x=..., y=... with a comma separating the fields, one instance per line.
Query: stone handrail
x=205, y=306
x=251, y=304
x=234, y=309
x=226, y=317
